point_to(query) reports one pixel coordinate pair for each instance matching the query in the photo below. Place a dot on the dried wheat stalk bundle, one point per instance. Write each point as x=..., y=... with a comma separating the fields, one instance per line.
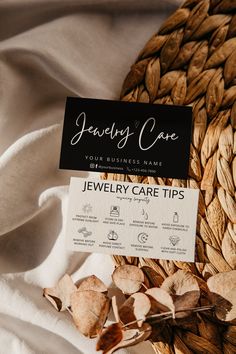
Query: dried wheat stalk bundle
x=192, y=61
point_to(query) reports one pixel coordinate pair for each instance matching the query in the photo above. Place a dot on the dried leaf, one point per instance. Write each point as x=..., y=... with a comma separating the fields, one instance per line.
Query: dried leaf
x=177, y=19
x=199, y=344
x=162, y=347
x=181, y=183
x=228, y=204
x=208, y=271
x=217, y=39
x=187, y=324
x=198, y=61
x=199, y=263
x=180, y=347
x=129, y=337
x=162, y=300
x=154, y=44
x=214, y=3
x=224, y=176
x=229, y=68
x=135, y=179
x=59, y=295
x=195, y=165
x=216, y=259
x=232, y=231
x=151, y=263
x=137, y=335
x=199, y=127
x=223, y=294
x=221, y=54
x=200, y=253
x=229, y=249
x=167, y=82
x=132, y=337
x=184, y=290
x=154, y=278
x=167, y=100
x=226, y=142
x=209, y=194
x=161, y=181
x=230, y=335
x=135, y=76
x=229, y=97
x=118, y=260
x=208, y=179
x=189, y=267
x=190, y=3
x=209, y=331
x=170, y=49
x=233, y=167
x=198, y=85
x=136, y=307
x=168, y=266
x=214, y=94
x=119, y=177
x=143, y=95
x=228, y=348
x=110, y=337
x=198, y=104
x=132, y=96
x=213, y=132
x=233, y=122
x=152, y=78
x=89, y=311
x=115, y=308
x=92, y=283
x=210, y=24
x=216, y=219
x=128, y=278
x=232, y=27
x=179, y=90
x=234, y=147
x=185, y=54
x=195, y=19
x=225, y=6
x=206, y=232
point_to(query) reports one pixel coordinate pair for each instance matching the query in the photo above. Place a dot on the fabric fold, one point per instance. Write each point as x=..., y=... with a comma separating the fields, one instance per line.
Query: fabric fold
x=51, y=49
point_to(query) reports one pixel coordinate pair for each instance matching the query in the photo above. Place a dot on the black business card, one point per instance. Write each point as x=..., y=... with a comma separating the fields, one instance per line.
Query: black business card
x=126, y=137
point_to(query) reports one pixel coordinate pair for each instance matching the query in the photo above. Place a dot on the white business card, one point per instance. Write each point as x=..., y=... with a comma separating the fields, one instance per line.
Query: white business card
x=132, y=219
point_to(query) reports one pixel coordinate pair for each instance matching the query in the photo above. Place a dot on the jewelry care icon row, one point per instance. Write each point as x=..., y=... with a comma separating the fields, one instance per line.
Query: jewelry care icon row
x=115, y=212
x=142, y=237
x=113, y=235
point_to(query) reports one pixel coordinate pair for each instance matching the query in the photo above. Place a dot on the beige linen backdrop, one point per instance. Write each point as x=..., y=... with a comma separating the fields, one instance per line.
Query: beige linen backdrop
x=50, y=49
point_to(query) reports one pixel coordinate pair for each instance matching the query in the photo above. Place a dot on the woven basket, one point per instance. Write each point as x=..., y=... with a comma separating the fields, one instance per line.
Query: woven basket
x=192, y=61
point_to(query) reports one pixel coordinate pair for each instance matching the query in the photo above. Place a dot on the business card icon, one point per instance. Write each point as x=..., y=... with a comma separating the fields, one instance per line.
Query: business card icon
x=87, y=208
x=112, y=236
x=142, y=237
x=84, y=232
x=174, y=240
x=115, y=211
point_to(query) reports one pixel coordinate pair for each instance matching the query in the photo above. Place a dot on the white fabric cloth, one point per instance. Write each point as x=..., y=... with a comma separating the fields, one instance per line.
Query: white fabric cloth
x=50, y=49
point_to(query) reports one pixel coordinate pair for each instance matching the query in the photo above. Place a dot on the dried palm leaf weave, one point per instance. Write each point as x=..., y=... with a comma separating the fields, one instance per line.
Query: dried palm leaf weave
x=192, y=61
